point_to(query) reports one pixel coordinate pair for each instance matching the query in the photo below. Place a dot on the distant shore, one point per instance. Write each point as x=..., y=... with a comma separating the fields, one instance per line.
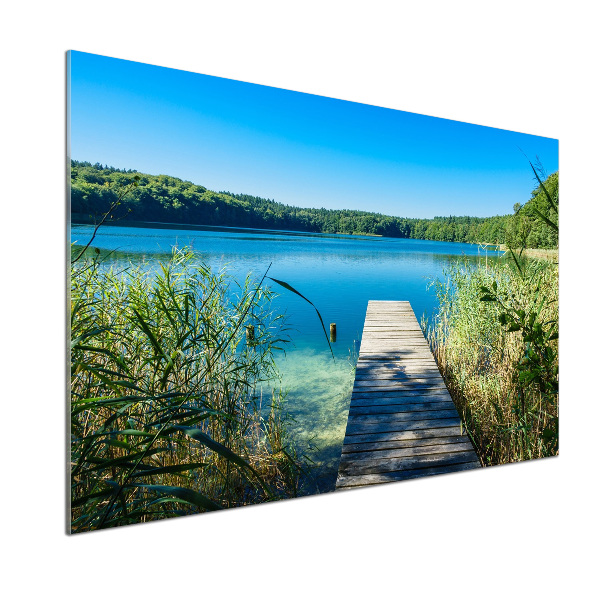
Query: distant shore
x=549, y=254
x=81, y=219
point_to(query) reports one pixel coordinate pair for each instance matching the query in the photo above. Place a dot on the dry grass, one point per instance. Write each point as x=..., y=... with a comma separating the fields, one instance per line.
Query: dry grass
x=547, y=254
x=478, y=358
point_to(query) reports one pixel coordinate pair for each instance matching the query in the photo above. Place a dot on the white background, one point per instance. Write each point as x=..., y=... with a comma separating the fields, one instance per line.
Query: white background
x=527, y=530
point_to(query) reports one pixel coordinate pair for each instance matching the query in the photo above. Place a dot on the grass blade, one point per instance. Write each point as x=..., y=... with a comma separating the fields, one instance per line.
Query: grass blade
x=287, y=286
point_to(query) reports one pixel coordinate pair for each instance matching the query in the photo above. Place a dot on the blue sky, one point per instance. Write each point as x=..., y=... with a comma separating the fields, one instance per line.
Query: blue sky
x=295, y=148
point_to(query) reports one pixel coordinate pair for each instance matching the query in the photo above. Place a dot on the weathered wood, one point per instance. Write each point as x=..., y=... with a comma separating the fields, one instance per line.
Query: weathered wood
x=411, y=434
x=400, y=380
x=423, y=368
x=367, y=448
x=398, y=331
x=426, y=368
x=392, y=425
x=415, y=340
x=370, y=394
x=351, y=481
x=365, y=365
x=377, y=407
x=402, y=422
x=408, y=376
x=391, y=384
x=397, y=453
x=410, y=354
x=385, y=418
x=390, y=350
x=392, y=345
x=384, y=374
x=395, y=344
x=396, y=382
x=399, y=408
x=367, y=467
x=407, y=366
x=390, y=360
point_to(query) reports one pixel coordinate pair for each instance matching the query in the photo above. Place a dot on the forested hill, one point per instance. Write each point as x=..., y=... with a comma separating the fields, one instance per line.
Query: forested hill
x=161, y=198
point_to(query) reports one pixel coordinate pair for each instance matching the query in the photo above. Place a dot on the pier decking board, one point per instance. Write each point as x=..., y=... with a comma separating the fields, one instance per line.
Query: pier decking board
x=402, y=423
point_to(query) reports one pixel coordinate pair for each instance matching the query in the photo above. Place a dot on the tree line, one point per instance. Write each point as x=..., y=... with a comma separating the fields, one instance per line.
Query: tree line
x=165, y=199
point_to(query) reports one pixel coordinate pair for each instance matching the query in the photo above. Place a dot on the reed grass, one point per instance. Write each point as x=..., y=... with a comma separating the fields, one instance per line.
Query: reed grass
x=489, y=369
x=547, y=254
x=173, y=410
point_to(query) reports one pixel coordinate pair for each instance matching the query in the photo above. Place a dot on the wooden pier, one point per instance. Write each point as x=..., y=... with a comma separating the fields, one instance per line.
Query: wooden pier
x=402, y=423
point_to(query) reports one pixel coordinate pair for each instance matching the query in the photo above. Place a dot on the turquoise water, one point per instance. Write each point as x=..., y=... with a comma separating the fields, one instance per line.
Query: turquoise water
x=337, y=273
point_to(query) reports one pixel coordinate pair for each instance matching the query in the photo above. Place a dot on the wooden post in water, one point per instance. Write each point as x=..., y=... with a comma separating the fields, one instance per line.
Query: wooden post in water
x=249, y=333
x=332, y=332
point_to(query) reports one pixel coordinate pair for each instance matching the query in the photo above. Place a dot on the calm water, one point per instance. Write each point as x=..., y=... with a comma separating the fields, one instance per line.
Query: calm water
x=339, y=274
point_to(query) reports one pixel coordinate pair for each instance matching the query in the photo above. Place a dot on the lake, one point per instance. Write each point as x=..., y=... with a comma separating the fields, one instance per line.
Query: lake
x=339, y=274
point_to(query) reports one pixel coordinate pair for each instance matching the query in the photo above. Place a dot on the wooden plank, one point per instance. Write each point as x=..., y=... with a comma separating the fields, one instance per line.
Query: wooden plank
x=392, y=346
x=391, y=323
x=394, y=350
x=377, y=418
x=413, y=360
x=398, y=405
x=345, y=481
x=366, y=467
x=414, y=369
x=410, y=434
x=396, y=363
x=369, y=447
x=394, y=340
x=374, y=401
x=397, y=356
x=392, y=336
x=397, y=366
x=380, y=409
x=400, y=389
x=371, y=394
x=420, y=450
x=395, y=383
x=374, y=329
x=417, y=341
x=409, y=367
x=363, y=374
x=385, y=334
x=393, y=318
x=399, y=370
x=391, y=384
x=399, y=378
x=412, y=326
x=402, y=422
x=395, y=425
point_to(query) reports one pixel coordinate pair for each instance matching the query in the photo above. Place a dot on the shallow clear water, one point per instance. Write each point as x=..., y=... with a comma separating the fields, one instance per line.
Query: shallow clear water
x=339, y=274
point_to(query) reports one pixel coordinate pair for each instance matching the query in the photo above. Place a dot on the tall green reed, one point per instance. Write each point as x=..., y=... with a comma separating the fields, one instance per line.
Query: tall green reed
x=537, y=322
x=168, y=396
x=482, y=357
x=496, y=341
